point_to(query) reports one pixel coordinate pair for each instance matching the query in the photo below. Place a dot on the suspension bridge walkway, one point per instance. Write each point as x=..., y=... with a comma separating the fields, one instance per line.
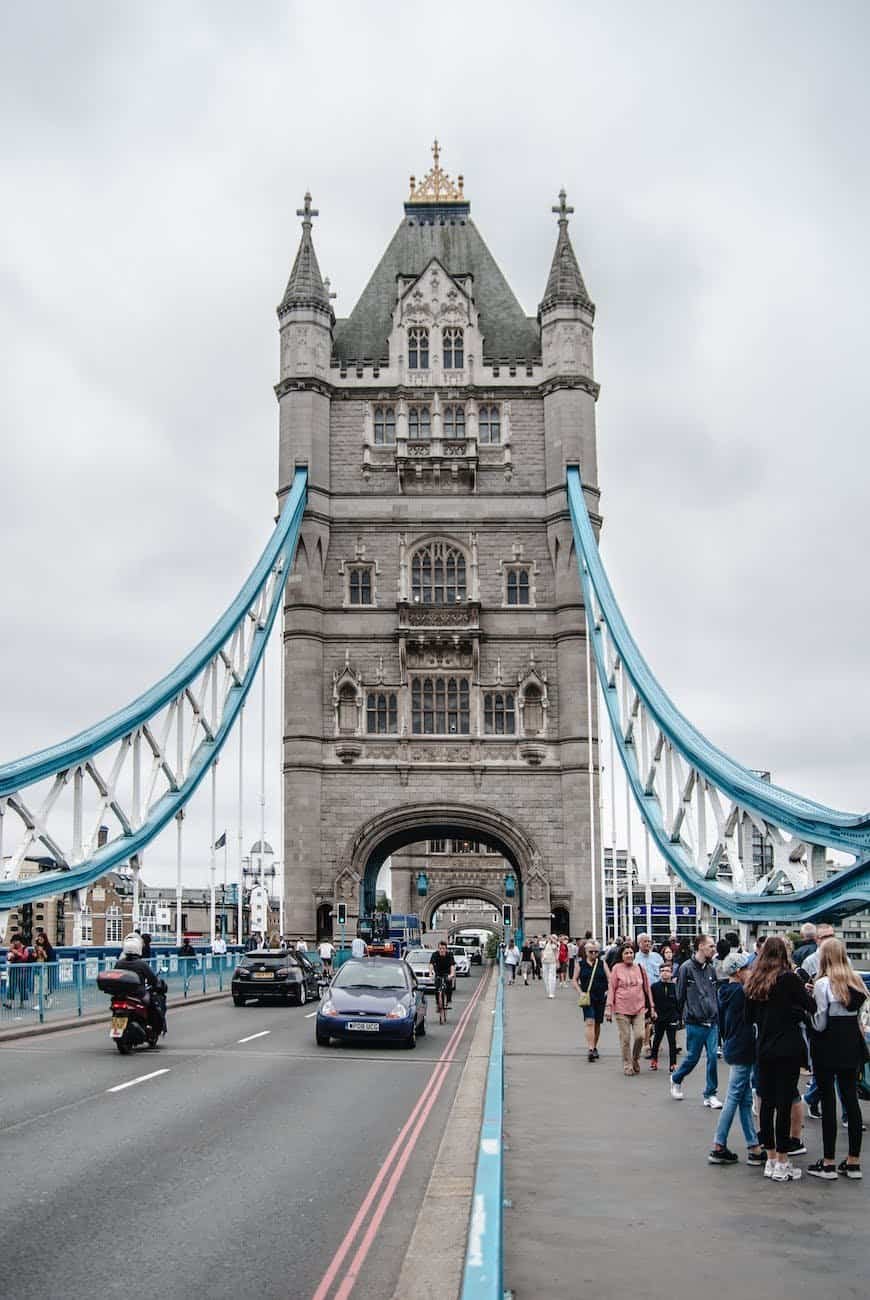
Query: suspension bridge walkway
x=611, y=1194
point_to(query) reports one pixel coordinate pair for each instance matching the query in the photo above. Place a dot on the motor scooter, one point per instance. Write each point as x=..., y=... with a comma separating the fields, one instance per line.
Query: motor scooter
x=131, y=1024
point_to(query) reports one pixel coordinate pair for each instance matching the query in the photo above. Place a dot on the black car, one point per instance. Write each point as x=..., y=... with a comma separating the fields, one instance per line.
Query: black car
x=276, y=975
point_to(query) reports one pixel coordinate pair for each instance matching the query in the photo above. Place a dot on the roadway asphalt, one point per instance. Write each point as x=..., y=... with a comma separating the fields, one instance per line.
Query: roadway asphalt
x=236, y=1172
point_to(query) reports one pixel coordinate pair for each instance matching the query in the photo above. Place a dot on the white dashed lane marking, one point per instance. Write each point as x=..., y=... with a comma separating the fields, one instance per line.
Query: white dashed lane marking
x=250, y=1038
x=119, y=1087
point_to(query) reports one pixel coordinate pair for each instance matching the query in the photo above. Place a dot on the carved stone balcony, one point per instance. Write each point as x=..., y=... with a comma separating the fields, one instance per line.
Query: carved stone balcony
x=434, y=457
x=462, y=616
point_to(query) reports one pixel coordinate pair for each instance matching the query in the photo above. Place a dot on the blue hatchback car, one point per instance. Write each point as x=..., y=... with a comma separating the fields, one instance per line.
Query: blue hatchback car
x=375, y=998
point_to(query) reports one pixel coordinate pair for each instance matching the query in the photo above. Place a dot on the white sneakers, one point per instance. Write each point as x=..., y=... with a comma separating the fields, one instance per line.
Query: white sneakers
x=713, y=1102
x=676, y=1092
x=768, y=1168
x=784, y=1173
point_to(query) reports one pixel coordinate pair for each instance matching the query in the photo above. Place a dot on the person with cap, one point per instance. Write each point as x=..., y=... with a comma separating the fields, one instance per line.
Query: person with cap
x=738, y=1049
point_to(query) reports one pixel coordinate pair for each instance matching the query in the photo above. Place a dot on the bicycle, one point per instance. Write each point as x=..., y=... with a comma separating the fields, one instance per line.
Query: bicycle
x=441, y=990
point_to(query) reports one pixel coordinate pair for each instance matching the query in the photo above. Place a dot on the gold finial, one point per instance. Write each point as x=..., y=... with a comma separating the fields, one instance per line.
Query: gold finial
x=436, y=186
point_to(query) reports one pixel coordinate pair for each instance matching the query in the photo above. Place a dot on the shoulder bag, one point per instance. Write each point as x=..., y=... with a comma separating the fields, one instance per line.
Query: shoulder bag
x=585, y=998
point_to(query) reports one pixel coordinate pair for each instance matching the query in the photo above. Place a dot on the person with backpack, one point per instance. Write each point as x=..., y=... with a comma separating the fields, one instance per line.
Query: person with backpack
x=738, y=1049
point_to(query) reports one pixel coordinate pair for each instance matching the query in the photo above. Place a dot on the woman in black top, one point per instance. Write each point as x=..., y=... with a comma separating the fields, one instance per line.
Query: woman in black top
x=778, y=1005
x=591, y=976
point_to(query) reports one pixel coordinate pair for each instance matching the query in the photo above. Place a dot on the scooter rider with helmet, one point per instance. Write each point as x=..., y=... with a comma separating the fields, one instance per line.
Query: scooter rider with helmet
x=153, y=988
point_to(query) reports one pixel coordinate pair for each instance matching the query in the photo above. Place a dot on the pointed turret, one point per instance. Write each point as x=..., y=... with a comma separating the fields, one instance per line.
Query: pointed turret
x=566, y=316
x=565, y=283
x=305, y=323
x=305, y=288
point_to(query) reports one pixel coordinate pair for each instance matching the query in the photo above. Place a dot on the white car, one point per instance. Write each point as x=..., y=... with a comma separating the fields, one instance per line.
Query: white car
x=461, y=959
x=418, y=959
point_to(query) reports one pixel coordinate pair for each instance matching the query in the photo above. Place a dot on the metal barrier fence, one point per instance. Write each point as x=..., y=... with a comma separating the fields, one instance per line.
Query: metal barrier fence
x=37, y=992
x=483, y=1275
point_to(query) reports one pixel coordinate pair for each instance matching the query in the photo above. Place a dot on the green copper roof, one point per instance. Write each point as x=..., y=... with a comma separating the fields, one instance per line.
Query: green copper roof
x=457, y=243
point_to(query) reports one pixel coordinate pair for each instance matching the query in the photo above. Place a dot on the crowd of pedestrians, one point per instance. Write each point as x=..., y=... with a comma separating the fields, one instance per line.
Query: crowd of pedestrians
x=769, y=1014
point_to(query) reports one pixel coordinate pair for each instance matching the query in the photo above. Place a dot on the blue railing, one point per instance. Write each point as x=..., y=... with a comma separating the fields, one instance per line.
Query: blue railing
x=39, y=992
x=483, y=1276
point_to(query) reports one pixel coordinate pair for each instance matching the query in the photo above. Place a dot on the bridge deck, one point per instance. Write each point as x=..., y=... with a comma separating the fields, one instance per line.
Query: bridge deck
x=612, y=1194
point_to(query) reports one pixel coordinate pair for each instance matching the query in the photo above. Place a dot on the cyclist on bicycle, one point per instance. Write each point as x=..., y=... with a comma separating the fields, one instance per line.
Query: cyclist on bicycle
x=443, y=969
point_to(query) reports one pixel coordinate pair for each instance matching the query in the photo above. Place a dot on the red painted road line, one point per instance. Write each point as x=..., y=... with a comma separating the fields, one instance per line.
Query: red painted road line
x=389, y=1192
x=441, y=1067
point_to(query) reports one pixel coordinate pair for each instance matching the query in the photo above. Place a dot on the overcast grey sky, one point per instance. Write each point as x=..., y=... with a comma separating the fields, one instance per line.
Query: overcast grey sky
x=716, y=155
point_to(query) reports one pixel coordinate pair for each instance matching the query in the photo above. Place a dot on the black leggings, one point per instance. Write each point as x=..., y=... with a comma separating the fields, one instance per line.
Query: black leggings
x=847, y=1082
x=658, y=1034
x=777, y=1085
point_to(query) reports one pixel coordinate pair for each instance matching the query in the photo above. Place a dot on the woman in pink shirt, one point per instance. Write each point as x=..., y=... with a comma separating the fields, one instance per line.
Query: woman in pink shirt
x=628, y=998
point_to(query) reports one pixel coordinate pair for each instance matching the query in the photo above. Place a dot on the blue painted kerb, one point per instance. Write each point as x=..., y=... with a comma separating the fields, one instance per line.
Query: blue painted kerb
x=483, y=1276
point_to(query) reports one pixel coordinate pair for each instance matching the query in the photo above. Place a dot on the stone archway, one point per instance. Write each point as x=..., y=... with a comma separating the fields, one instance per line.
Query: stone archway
x=407, y=824
x=443, y=897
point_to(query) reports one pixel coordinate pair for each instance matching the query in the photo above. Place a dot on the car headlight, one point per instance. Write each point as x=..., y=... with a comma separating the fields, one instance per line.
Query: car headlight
x=328, y=1008
x=398, y=1012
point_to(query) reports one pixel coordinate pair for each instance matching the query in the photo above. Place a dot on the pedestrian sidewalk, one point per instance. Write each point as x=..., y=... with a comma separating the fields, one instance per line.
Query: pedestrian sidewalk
x=612, y=1195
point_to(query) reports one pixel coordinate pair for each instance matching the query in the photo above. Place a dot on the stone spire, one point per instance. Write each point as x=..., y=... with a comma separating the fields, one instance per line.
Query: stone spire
x=565, y=283
x=305, y=288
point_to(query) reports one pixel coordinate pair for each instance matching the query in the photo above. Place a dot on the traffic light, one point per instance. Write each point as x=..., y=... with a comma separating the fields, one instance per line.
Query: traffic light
x=507, y=915
x=342, y=914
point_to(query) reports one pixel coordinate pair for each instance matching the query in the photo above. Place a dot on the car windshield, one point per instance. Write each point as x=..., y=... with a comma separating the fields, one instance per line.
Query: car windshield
x=269, y=959
x=419, y=957
x=365, y=975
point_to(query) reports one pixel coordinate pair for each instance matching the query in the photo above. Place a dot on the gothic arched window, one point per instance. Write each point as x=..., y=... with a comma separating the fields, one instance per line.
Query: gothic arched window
x=418, y=348
x=382, y=713
x=489, y=424
x=452, y=348
x=454, y=420
x=385, y=425
x=518, y=586
x=438, y=574
x=499, y=713
x=419, y=423
x=440, y=706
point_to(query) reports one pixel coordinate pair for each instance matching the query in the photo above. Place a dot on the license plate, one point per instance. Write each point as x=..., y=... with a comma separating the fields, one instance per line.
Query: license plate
x=119, y=1024
x=364, y=1025
x=264, y=975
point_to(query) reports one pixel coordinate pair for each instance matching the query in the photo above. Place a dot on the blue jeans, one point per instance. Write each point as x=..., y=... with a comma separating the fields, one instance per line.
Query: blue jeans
x=699, y=1038
x=738, y=1098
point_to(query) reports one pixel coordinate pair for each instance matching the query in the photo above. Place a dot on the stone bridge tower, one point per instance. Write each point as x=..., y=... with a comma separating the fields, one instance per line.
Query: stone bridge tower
x=434, y=651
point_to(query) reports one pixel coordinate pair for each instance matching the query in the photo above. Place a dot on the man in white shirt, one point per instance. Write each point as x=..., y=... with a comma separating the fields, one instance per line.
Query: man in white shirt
x=219, y=946
x=326, y=952
x=358, y=947
x=301, y=945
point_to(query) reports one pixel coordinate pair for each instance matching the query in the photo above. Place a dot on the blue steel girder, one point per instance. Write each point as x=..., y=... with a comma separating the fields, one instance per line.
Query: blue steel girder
x=206, y=689
x=681, y=782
